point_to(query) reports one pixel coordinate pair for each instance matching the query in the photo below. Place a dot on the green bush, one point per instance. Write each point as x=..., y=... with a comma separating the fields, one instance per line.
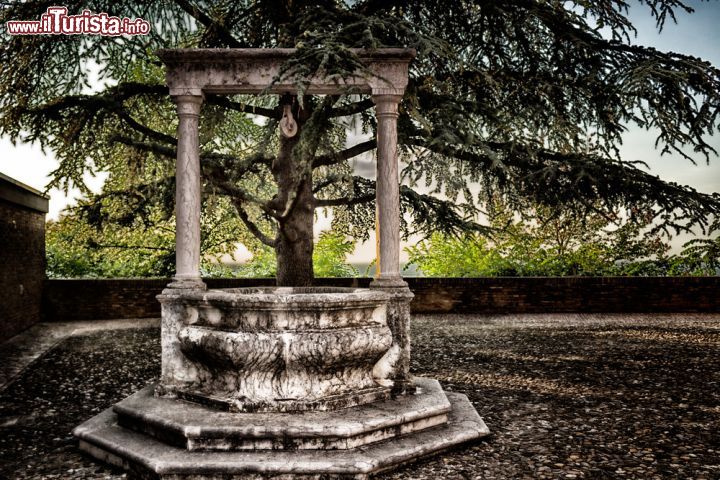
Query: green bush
x=543, y=242
x=329, y=256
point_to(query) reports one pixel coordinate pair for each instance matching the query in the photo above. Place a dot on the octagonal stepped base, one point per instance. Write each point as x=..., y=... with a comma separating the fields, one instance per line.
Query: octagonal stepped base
x=174, y=443
x=197, y=427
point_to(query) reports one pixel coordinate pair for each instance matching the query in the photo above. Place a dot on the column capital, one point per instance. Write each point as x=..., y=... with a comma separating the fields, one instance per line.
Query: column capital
x=188, y=104
x=386, y=104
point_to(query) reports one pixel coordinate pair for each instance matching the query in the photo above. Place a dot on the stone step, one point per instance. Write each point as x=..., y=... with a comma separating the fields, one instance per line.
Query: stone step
x=148, y=457
x=197, y=427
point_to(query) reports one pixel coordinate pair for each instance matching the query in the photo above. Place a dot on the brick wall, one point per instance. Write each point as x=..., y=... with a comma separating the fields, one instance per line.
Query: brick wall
x=22, y=255
x=566, y=294
x=135, y=298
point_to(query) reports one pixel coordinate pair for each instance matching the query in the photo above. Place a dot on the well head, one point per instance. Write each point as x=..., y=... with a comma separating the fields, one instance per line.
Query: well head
x=275, y=348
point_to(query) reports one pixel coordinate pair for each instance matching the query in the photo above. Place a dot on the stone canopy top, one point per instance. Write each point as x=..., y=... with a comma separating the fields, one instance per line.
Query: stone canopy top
x=195, y=71
x=191, y=73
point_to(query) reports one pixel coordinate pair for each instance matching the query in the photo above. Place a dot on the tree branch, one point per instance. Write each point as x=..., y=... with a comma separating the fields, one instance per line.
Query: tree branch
x=155, y=148
x=335, y=158
x=166, y=151
x=254, y=229
x=337, y=202
x=352, y=108
x=243, y=107
x=217, y=175
x=202, y=17
x=149, y=132
x=327, y=181
x=132, y=247
x=237, y=196
x=110, y=98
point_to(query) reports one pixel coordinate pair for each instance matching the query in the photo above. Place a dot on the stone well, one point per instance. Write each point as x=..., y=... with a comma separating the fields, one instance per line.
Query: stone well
x=272, y=349
x=281, y=383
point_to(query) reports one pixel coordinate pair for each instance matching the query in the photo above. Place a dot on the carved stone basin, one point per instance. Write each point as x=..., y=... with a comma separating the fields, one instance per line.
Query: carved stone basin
x=275, y=349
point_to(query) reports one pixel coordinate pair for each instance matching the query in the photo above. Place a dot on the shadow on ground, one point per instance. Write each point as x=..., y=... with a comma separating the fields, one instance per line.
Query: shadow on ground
x=565, y=396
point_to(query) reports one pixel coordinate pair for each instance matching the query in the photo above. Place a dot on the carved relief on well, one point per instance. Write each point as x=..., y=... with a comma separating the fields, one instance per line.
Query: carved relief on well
x=276, y=349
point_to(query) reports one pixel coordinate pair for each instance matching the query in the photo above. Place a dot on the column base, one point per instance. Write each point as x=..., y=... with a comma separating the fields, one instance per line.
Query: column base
x=187, y=283
x=389, y=283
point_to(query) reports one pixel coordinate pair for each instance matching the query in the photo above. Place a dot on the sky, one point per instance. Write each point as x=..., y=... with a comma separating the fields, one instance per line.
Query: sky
x=697, y=34
x=694, y=34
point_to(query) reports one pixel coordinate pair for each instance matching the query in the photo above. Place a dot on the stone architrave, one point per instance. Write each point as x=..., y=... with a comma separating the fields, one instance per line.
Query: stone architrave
x=291, y=383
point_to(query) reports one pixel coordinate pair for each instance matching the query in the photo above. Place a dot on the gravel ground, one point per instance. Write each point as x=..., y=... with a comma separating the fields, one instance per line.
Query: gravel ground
x=573, y=396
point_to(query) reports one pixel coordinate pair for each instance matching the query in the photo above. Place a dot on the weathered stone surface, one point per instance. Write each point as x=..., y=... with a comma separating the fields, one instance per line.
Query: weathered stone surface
x=198, y=427
x=397, y=368
x=388, y=189
x=188, y=195
x=275, y=349
x=280, y=349
x=214, y=70
x=150, y=458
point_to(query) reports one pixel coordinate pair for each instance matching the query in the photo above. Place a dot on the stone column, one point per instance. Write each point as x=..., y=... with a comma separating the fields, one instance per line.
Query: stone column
x=187, y=195
x=387, y=198
x=387, y=275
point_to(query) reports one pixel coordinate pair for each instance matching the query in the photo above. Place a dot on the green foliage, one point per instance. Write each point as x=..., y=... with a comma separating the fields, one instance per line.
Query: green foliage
x=262, y=265
x=66, y=252
x=330, y=253
x=464, y=256
x=329, y=259
x=504, y=94
x=543, y=244
x=127, y=230
x=110, y=242
x=76, y=249
x=699, y=257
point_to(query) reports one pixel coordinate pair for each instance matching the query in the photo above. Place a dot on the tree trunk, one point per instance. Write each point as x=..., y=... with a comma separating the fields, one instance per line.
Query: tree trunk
x=294, y=202
x=295, y=242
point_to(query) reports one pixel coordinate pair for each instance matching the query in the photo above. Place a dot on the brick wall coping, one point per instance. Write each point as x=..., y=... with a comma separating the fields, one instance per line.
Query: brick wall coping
x=18, y=193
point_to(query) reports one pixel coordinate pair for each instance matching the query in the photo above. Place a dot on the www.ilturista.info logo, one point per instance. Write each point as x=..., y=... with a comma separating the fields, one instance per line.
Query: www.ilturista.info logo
x=56, y=21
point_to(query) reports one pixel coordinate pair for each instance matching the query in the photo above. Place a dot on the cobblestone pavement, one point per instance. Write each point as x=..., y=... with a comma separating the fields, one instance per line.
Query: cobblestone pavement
x=565, y=396
x=22, y=350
